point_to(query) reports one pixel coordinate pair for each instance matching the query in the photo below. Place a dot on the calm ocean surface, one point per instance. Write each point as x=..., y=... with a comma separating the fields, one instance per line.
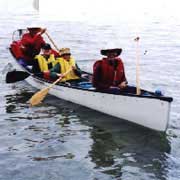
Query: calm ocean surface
x=59, y=140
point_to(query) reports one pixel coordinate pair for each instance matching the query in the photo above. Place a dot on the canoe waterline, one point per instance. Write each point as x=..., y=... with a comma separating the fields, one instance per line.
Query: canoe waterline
x=150, y=112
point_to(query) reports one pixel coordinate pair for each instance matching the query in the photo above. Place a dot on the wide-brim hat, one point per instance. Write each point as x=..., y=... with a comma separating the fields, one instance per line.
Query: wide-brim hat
x=105, y=51
x=64, y=51
x=34, y=29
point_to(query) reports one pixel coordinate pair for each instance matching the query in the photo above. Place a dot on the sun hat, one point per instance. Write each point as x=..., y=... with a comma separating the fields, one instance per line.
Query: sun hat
x=106, y=51
x=64, y=51
x=33, y=28
x=111, y=46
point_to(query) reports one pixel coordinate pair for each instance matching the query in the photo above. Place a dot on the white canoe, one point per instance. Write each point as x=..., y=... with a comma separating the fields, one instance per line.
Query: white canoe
x=150, y=111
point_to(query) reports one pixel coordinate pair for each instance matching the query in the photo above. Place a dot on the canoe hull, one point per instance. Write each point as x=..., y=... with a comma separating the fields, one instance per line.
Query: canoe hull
x=147, y=112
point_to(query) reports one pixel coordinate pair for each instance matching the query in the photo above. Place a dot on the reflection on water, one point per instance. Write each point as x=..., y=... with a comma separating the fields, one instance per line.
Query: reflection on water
x=66, y=133
x=115, y=152
x=102, y=147
x=16, y=101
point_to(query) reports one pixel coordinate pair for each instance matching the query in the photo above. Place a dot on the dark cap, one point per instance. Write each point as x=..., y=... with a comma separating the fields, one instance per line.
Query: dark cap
x=46, y=46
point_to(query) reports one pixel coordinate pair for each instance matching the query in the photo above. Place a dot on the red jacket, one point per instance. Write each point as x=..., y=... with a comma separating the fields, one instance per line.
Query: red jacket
x=31, y=46
x=16, y=50
x=108, y=73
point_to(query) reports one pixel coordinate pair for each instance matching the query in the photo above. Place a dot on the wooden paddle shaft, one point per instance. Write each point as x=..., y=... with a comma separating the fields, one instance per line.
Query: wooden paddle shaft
x=138, y=91
x=52, y=41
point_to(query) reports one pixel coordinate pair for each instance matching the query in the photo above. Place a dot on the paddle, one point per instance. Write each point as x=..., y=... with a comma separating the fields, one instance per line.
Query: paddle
x=52, y=41
x=15, y=76
x=138, y=90
x=38, y=97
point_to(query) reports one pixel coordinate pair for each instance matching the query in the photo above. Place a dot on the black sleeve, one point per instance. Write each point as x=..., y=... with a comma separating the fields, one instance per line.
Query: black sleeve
x=78, y=71
x=35, y=68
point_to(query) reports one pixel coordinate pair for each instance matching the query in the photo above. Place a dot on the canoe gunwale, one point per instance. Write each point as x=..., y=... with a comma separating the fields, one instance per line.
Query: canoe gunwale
x=163, y=98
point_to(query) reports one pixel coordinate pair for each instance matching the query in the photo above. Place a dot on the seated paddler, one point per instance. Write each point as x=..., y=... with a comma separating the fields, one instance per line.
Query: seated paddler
x=30, y=45
x=63, y=65
x=44, y=61
x=108, y=73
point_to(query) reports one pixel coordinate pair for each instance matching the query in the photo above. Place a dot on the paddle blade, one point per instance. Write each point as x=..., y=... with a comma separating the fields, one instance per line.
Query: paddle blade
x=15, y=76
x=38, y=97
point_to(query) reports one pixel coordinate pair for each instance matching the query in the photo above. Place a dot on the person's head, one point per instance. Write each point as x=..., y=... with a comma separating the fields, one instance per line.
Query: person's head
x=46, y=48
x=65, y=53
x=111, y=53
x=33, y=30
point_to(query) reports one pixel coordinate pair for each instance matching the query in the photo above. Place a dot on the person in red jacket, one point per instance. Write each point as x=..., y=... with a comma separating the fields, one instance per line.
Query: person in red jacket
x=31, y=44
x=108, y=73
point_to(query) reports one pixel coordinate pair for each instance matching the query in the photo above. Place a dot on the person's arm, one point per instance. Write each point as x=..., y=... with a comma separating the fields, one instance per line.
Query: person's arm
x=123, y=82
x=26, y=39
x=55, y=71
x=77, y=70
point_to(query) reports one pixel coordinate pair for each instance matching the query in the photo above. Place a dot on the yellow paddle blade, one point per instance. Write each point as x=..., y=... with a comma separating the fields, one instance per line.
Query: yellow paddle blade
x=38, y=97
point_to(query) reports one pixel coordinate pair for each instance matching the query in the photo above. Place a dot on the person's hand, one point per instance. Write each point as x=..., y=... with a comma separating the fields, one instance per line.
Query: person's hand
x=60, y=75
x=73, y=67
x=122, y=85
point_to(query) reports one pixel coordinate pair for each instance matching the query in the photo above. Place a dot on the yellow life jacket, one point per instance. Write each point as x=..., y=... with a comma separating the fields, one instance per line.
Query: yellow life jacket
x=65, y=66
x=43, y=63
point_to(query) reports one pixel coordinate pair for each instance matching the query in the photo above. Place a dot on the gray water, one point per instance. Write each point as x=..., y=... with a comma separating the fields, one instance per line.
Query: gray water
x=59, y=140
